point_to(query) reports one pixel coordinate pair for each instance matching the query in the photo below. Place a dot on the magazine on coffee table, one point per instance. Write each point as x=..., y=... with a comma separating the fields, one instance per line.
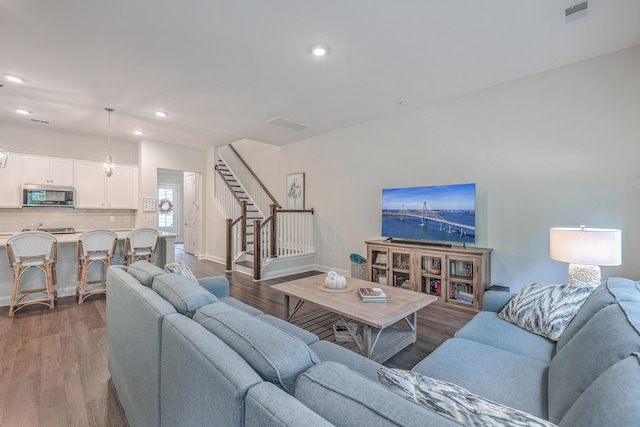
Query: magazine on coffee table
x=371, y=295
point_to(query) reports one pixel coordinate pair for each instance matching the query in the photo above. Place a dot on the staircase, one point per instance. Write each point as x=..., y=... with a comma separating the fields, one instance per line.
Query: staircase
x=262, y=239
x=244, y=262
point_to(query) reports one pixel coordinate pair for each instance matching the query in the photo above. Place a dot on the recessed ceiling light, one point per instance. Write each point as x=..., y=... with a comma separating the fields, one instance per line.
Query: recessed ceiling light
x=161, y=114
x=138, y=132
x=319, y=49
x=14, y=79
x=21, y=111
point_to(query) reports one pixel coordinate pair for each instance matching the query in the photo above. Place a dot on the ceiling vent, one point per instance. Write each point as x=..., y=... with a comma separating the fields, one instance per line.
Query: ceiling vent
x=576, y=11
x=40, y=121
x=279, y=121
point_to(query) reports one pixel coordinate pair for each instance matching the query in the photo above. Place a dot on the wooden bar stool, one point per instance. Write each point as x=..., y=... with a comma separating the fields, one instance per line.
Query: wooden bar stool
x=94, y=246
x=140, y=244
x=32, y=249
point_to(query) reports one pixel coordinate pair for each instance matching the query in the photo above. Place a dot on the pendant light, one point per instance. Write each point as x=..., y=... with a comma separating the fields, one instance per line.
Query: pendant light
x=108, y=166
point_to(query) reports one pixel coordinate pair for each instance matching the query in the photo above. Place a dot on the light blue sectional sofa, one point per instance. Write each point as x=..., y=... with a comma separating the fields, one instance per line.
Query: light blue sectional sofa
x=181, y=354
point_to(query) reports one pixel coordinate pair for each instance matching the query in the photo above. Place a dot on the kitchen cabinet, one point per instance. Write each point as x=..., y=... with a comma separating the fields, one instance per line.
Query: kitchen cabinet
x=11, y=182
x=47, y=170
x=95, y=191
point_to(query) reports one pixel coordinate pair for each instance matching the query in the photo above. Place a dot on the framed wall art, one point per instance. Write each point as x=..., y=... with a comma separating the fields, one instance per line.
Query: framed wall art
x=295, y=191
x=148, y=205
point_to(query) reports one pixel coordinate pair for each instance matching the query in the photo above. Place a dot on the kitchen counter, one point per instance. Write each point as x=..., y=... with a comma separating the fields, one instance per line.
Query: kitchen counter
x=73, y=237
x=67, y=265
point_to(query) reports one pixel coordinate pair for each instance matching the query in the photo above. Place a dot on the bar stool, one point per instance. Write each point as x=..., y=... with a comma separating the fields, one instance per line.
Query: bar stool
x=39, y=250
x=94, y=246
x=140, y=244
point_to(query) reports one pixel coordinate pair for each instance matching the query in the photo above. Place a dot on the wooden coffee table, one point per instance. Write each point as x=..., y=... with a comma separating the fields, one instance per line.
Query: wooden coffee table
x=387, y=327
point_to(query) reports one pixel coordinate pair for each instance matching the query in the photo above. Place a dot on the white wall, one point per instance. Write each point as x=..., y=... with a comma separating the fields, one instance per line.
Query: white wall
x=40, y=139
x=556, y=149
x=157, y=155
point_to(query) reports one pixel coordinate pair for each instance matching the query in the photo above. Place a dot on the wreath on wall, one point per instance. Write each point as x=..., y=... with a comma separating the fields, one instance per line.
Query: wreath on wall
x=165, y=206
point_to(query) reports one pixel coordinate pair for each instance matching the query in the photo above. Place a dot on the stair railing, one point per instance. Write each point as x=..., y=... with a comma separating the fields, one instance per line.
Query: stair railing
x=251, y=184
x=236, y=222
x=284, y=233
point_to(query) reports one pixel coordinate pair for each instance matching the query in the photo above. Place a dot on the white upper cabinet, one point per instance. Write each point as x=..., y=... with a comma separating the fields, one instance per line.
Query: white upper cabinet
x=95, y=191
x=11, y=182
x=47, y=170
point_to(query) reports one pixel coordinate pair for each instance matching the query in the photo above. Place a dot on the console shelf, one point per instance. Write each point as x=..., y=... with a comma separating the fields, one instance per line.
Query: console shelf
x=456, y=275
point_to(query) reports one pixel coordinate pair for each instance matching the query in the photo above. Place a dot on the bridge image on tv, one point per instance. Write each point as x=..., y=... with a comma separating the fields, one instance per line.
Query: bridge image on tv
x=439, y=213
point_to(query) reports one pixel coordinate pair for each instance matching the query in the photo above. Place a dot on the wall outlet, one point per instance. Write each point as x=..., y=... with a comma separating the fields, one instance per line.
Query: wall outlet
x=112, y=218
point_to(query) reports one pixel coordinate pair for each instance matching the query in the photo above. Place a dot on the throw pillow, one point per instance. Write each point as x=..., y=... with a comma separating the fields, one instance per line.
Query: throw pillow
x=182, y=269
x=545, y=309
x=455, y=402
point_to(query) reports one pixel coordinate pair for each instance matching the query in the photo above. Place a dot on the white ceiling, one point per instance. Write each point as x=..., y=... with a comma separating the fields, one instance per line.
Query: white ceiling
x=222, y=68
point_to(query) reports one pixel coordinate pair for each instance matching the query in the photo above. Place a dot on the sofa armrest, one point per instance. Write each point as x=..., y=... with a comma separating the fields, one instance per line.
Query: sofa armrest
x=218, y=285
x=495, y=300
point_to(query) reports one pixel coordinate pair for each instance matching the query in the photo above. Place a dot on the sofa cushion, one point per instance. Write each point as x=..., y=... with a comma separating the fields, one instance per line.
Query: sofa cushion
x=488, y=328
x=545, y=309
x=614, y=290
x=182, y=269
x=608, y=400
x=611, y=335
x=348, y=399
x=145, y=272
x=329, y=351
x=502, y=376
x=306, y=336
x=186, y=296
x=268, y=406
x=454, y=401
x=276, y=355
x=240, y=306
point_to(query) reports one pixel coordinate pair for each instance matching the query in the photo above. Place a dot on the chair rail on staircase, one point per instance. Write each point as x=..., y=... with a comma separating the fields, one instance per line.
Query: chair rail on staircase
x=282, y=233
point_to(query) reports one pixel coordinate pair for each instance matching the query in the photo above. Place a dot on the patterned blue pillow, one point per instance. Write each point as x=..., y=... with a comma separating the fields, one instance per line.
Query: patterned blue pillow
x=455, y=402
x=545, y=309
x=182, y=269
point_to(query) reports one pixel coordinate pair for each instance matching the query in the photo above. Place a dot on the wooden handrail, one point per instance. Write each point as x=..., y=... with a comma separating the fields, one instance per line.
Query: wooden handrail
x=256, y=178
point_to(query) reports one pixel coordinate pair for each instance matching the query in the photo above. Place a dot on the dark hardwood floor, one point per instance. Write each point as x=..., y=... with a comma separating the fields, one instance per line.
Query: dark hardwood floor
x=53, y=363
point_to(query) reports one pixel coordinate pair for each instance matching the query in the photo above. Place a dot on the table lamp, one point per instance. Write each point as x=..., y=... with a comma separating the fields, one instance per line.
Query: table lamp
x=586, y=249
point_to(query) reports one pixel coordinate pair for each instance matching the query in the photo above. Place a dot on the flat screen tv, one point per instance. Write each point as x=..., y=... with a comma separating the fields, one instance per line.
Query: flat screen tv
x=440, y=214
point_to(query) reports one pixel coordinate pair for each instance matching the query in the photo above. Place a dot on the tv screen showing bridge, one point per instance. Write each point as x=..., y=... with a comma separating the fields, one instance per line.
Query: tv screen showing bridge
x=439, y=213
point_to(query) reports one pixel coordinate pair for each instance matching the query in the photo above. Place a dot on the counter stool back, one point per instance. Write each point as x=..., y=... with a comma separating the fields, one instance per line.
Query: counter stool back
x=140, y=244
x=33, y=249
x=94, y=246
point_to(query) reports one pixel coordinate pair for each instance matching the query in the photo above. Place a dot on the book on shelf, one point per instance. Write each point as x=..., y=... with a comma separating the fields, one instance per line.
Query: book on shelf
x=341, y=331
x=381, y=258
x=371, y=295
x=465, y=297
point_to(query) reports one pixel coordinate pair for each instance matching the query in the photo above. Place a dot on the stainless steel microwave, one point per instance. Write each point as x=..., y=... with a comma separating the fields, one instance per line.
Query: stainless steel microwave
x=45, y=195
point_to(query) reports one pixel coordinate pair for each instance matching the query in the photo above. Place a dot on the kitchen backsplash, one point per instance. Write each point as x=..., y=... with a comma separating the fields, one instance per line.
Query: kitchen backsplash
x=12, y=220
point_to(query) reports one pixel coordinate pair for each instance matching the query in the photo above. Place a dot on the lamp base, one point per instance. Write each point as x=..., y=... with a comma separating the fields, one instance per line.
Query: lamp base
x=584, y=275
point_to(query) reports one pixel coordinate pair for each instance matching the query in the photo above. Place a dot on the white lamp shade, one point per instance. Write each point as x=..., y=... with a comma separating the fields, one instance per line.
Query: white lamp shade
x=586, y=246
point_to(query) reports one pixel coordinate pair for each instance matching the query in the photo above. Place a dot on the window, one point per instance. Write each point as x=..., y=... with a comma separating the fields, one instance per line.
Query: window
x=166, y=199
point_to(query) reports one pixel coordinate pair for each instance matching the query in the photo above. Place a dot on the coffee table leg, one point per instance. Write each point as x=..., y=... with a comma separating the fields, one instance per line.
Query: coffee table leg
x=290, y=313
x=286, y=306
x=366, y=341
